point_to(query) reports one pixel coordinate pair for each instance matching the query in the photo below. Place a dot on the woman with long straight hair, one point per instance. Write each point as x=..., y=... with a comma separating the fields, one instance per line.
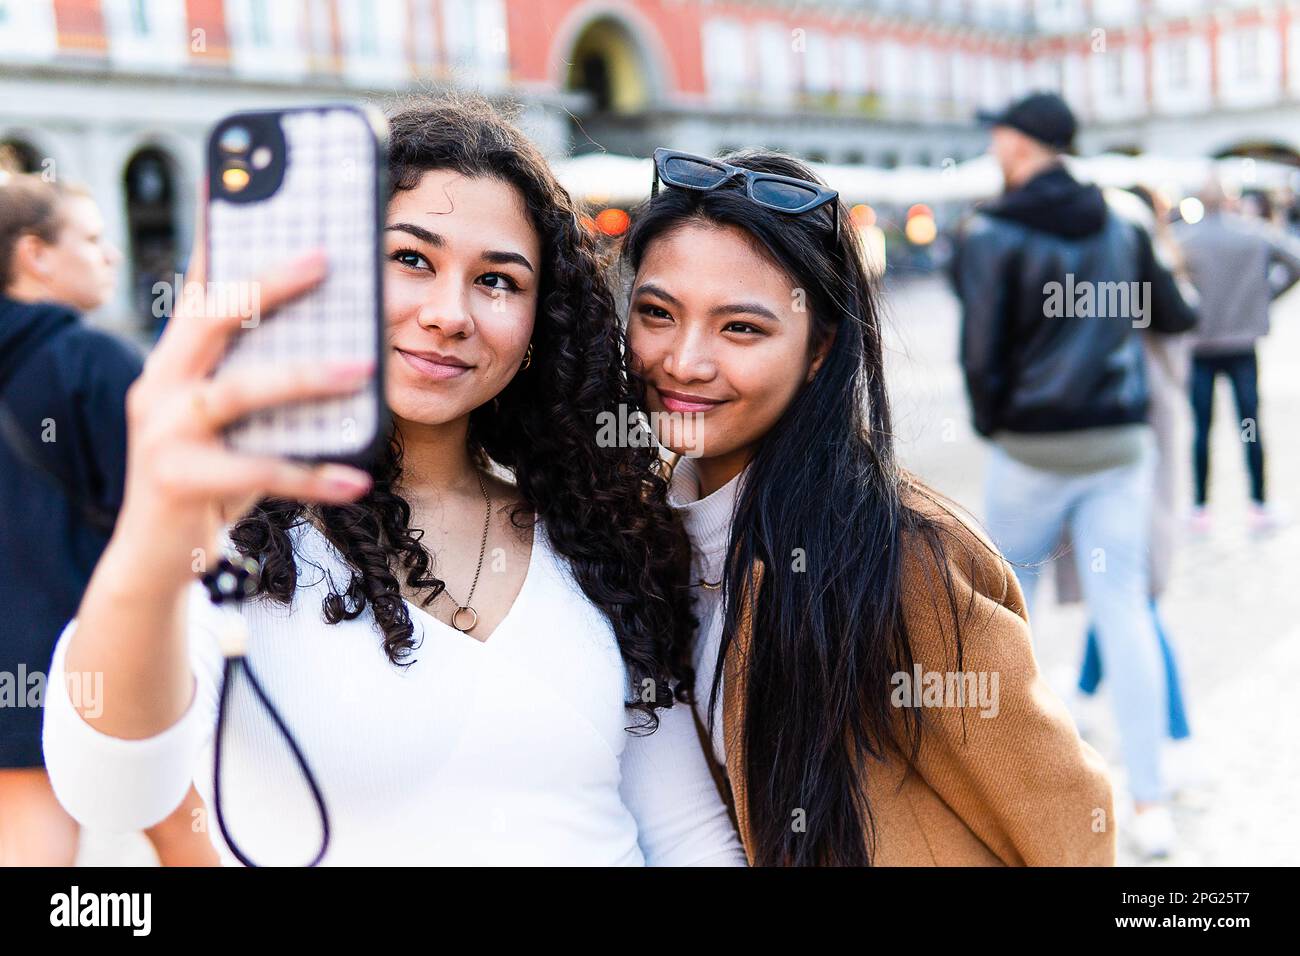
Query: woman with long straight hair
x=472, y=643
x=863, y=662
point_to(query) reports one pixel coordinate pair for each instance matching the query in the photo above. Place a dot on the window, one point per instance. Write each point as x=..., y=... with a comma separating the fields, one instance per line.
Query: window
x=774, y=53
x=140, y=18
x=374, y=40
x=261, y=33
x=992, y=94
x=268, y=38
x=818, y=67
x=892, y=75
x=477, y=45
x=1115, y=74
x=147, y=34
x=319, y=27
x=1248, y=55
x=725, y=66
x=27, y=29
x=1177, y=69
x=1181, y=73
x=853, y=66
x=1250, y=65
x=424, y=36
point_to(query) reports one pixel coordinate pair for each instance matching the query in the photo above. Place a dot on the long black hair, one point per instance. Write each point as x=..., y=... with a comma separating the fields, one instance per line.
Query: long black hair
x=604, y=508
x=822, y=507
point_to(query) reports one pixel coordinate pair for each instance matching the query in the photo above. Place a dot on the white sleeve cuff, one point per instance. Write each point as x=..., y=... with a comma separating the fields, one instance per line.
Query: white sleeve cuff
x=107, y=782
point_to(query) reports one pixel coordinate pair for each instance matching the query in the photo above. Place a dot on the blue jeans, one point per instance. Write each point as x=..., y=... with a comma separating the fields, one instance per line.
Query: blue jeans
x=1108, y=515
x=1242, y=370
x=1090, y=676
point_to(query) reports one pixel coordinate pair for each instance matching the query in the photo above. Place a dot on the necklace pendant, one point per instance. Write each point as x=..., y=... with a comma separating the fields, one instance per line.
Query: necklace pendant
x=456, y=617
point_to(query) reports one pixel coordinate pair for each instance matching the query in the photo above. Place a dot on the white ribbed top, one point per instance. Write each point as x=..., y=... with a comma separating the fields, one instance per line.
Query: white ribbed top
x=509, y=751
x=708, y=523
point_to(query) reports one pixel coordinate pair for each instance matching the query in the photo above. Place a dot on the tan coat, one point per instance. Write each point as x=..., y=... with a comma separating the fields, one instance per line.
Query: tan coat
x=1022, y=788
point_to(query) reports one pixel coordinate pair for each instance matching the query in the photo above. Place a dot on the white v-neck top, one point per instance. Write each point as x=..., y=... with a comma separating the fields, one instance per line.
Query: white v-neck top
x=509, y=751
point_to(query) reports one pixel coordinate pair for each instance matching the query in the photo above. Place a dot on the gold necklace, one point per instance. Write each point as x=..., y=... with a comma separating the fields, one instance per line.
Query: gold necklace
x=482, y=550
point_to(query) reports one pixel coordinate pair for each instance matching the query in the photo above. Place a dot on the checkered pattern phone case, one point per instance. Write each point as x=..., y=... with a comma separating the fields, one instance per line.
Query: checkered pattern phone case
x=327, y=200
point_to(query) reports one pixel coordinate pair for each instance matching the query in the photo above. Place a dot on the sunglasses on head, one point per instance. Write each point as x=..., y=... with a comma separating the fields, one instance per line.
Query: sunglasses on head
x=782, y=193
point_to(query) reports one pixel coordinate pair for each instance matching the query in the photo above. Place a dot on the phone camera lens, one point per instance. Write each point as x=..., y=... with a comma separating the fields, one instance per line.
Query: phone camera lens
x=235, y=139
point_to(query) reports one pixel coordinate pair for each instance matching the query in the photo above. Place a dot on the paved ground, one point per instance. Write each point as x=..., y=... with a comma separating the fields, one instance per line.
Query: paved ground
x=1231, y=608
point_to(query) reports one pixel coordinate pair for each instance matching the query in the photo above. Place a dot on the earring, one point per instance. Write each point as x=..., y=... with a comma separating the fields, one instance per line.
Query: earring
x=528, y=357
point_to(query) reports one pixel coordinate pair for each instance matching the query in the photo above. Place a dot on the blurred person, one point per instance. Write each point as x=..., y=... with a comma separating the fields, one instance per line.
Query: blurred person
x=832, y=587
x=1239, y=266
x=63, y=451
x=1053, y=287
x=1168, y=364
x=63, y=454
x=452, y=717
x=1256, y=205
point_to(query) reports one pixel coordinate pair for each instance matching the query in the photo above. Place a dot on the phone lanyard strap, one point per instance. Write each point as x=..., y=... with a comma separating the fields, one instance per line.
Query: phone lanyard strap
x=234, y=579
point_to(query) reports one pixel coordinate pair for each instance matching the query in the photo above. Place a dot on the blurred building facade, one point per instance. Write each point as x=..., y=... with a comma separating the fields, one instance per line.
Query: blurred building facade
x=119, y=93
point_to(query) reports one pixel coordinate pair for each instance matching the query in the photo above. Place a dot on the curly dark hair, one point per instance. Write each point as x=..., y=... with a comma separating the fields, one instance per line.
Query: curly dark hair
x=605, y=508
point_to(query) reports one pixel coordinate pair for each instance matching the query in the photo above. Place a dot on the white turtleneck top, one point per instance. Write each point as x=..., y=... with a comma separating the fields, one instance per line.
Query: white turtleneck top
x=708, y=523
x=508, y=751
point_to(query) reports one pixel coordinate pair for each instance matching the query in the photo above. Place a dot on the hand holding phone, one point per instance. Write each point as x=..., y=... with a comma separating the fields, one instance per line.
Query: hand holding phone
x=228, y=410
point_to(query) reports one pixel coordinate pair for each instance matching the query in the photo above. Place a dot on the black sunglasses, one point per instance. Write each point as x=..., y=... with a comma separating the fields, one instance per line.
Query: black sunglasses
x=782, y=193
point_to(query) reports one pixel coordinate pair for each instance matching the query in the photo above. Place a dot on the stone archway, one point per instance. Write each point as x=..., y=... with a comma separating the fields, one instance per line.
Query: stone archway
x=1261, y=149
x=611, y=60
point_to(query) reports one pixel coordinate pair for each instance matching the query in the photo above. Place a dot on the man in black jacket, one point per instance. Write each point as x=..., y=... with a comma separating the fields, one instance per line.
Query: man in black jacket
x=1054, y=288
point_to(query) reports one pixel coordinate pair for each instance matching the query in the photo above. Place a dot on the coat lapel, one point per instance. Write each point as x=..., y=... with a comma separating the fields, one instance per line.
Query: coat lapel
x=735, y=673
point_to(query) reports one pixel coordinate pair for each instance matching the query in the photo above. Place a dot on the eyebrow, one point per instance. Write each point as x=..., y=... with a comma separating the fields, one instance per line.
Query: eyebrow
x=424, y=235
x=731, y=308
x=659, y=293
x=503, y=258
x=496, y=256
x=746, y=308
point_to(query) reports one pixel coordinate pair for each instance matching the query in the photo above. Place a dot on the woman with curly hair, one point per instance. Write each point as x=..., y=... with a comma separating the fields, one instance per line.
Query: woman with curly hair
x=472, y=643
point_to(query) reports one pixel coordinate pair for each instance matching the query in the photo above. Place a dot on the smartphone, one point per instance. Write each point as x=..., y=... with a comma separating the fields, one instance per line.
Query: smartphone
x=282, y=183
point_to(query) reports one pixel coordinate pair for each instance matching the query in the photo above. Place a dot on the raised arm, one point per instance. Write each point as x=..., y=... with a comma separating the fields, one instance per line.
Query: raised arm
x=1171, y=312
x=182, y=486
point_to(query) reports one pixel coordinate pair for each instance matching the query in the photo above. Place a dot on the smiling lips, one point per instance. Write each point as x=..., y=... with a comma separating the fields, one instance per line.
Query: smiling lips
x=434, y=364
x=686, y=403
